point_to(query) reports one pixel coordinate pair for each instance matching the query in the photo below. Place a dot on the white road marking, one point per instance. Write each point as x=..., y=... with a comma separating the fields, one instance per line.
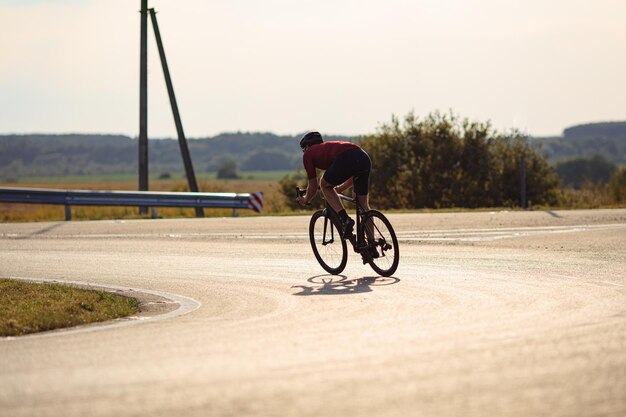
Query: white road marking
x=460, y=235
x=185, y=305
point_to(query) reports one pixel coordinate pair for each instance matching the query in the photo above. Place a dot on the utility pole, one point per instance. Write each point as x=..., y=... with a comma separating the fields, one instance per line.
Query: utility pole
x=182, y=141
x=143, y=108
x=143, y=103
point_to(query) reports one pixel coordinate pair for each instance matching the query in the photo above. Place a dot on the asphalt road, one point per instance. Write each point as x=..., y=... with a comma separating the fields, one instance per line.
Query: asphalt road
x=493, y=313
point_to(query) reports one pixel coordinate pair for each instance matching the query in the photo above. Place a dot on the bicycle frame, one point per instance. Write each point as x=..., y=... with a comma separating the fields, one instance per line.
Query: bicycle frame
x=368, y=241
x=358, y=241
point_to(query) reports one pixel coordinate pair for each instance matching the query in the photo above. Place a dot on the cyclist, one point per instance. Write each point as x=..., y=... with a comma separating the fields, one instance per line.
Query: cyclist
x=345, y=164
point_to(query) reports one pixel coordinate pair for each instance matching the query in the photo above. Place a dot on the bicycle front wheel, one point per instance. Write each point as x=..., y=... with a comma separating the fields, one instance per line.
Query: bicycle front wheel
x=328, y=246
x=382, y=242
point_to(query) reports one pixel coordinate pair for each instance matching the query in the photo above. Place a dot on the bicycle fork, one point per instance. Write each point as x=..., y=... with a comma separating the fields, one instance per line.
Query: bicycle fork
x=327, y=220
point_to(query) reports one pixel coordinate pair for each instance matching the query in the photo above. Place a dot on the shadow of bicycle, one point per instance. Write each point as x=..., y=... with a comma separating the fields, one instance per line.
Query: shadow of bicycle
x=340, y=284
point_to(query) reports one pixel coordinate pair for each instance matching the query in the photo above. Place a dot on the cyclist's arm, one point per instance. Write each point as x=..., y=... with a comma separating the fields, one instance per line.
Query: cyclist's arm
x=311, y=190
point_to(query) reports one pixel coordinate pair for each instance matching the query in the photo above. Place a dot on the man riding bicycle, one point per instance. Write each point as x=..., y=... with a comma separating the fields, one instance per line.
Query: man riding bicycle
x=345, y=164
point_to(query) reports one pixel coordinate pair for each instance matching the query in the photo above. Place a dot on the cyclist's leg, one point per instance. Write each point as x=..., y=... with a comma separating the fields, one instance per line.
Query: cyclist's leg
x=345, y=222
x=336, y=174
x=364, y=201
x=355, y=164
x=361, y=182
x=361, y=178
x=346, y=165
x=332, y=198
x=330, y=195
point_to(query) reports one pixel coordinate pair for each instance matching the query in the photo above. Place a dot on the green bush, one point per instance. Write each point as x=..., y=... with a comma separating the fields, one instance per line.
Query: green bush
x=443, y=162
x=228, y=170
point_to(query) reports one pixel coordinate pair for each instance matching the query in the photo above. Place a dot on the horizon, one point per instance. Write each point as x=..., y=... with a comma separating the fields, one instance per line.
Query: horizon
x=344, y=67
x=264, y=133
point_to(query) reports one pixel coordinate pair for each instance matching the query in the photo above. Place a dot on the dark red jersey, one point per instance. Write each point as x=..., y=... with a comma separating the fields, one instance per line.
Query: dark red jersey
x=320, y=156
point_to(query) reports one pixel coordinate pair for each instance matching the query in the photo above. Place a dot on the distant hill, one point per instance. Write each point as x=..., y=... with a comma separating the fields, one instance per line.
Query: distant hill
x=607, y=139
x=58, y=155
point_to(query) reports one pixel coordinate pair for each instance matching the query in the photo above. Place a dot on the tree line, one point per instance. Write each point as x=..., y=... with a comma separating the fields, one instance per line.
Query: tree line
x=57, y=155
x=444, y=161
x=438, y=161
x=60, y=155
x=584, y=141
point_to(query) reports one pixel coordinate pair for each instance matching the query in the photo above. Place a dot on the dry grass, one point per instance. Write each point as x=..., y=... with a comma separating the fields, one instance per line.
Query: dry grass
x=273, y=200
x=588, y=197
x=27, y=307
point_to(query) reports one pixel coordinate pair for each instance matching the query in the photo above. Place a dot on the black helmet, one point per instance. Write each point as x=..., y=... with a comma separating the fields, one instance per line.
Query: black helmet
x=310, y=138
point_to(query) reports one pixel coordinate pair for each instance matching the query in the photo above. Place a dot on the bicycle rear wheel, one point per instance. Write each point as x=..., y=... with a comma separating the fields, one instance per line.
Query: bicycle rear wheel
x=328, y=246
x=382, y=242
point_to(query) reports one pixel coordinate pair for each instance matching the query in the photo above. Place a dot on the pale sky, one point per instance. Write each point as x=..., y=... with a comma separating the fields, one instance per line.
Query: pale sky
x=286, y=66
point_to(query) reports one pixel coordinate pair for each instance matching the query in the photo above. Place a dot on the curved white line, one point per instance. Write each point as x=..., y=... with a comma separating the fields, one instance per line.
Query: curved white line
x=185, y=305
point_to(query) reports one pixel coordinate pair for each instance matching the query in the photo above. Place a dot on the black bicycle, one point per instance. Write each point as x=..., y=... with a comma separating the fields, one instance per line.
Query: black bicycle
x=375, y=239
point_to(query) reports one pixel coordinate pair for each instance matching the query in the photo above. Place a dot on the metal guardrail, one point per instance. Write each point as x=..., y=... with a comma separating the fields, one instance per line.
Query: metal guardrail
x=68, y=198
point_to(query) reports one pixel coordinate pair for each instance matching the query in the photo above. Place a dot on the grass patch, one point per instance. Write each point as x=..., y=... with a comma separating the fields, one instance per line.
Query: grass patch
x=27, y=307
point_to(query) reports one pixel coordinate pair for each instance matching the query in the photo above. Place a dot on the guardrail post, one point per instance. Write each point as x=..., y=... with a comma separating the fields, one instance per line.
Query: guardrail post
x=522, y=182
x=68, y=213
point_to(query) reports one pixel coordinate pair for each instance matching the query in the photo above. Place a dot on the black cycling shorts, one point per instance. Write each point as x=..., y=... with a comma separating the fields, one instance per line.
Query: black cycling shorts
x=354, y=163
